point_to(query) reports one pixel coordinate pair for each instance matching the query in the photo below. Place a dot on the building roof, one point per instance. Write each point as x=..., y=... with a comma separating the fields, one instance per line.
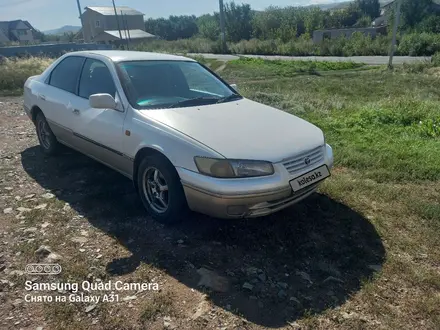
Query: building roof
x=12, y=25
x=380, y=21
x=3, y=36
x=4, y=26
x=110, y=11
x=130, y=34
x=124, y=55
x=7, y=26
x=29, y=25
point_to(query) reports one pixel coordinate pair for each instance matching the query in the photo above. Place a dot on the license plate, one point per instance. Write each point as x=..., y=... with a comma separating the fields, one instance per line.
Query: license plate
x=310, y=178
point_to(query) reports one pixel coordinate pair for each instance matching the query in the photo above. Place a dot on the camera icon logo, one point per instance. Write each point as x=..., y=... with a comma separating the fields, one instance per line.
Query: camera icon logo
x=43, y=269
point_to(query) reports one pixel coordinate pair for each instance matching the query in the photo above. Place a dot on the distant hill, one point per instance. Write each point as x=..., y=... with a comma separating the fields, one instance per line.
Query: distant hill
x=64, y=29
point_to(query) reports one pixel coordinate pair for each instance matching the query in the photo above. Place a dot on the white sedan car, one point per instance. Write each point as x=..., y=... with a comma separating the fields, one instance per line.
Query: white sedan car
x=184, y=136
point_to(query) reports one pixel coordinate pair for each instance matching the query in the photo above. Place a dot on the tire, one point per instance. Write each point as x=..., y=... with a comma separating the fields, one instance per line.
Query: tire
x=154, y=174
x=48, y=142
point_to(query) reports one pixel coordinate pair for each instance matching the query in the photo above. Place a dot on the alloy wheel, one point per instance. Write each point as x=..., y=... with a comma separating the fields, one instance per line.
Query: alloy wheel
x=44, y=134
x=155, y=189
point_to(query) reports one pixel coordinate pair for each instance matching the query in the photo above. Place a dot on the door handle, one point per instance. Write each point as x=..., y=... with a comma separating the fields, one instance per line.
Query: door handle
x=75, y=111
x=41, y=96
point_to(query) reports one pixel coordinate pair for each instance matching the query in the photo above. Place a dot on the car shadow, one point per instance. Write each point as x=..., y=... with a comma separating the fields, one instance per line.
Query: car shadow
x=305, y=259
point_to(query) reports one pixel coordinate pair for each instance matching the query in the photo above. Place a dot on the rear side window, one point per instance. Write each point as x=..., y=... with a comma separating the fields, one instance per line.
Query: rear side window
x=65, y=75
x=95, y=79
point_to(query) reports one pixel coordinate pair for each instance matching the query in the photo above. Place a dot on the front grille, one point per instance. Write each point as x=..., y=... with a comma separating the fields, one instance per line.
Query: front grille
x=298, y=163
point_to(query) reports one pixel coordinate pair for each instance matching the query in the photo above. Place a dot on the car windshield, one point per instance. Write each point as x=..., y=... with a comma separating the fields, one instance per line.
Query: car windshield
x=172, y=84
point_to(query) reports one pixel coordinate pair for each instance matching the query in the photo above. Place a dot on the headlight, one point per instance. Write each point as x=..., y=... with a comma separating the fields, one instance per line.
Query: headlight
x=233, y=168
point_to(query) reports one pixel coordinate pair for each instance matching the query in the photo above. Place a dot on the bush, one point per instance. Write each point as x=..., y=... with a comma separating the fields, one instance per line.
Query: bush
x=419, y=44
x=255, y=46
x=14, y=72
x=192, y=45
x=436, y=59
x=302, y=46
x=414, y=44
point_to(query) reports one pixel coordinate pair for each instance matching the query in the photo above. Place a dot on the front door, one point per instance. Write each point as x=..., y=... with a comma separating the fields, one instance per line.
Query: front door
x=99, y=132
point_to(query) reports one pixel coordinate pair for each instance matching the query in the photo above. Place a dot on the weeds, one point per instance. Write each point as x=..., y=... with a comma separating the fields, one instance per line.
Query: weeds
x=160, y=304
x=429, y=128
x=14, y=72
x=278, y=66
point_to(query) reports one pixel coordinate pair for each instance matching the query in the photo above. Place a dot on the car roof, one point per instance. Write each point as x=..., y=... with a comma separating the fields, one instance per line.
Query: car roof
x=124, y=55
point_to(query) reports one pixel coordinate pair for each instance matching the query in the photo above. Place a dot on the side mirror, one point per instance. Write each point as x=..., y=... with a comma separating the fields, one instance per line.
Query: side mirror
x=102, y=101
x=234, y=86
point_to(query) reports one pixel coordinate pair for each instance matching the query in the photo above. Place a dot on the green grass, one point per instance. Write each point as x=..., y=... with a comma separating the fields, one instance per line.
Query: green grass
x=280, y=68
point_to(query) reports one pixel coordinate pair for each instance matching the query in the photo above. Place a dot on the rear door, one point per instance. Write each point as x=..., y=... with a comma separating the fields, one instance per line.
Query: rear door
x=99, y=132
x=55, y=99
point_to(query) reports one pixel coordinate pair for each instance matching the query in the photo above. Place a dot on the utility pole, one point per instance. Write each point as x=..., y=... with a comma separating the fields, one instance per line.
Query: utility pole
x=117, y=20
x=81, y=18
x=396, y=25
x=222, y=26
x=125, y=25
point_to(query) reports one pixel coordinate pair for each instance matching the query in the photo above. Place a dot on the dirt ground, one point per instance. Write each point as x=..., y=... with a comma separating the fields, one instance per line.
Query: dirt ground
x=274, y=272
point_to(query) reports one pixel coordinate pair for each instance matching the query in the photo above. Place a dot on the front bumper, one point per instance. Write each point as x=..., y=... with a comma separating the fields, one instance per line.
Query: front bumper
x=246, y=197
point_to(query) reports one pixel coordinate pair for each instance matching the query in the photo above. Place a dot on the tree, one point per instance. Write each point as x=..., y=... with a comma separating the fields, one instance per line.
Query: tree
x=68, y=36
x=413, y=12
x=346, y=17
x=173, y=28
x=265, y=24
x=40, y=36
x=369, y=8
x=364, y=21
x=209, y=26
x=183, y=26
x=238, y=21
x=430, y=24
x=314, y=20
x=160, y=27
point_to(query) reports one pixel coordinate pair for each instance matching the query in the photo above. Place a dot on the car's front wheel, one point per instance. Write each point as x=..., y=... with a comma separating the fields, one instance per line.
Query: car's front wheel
x=160, y=190
x=48, y=142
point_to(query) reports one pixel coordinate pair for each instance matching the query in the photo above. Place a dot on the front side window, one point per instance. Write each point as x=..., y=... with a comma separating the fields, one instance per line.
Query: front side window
x=171, y=84
x=96, y=79
x=65, y=75
x=97, y=23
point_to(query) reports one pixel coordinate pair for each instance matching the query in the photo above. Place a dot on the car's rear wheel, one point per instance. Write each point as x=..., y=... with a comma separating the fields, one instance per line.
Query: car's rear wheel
x=160, y=190
x=48, y=142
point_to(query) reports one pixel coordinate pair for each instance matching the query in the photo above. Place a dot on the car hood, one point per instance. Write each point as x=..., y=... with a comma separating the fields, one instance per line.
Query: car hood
x=243, y=129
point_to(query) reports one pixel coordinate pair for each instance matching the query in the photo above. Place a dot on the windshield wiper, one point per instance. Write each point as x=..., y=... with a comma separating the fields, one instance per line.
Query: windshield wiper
x=228, y=98
x=194, y=100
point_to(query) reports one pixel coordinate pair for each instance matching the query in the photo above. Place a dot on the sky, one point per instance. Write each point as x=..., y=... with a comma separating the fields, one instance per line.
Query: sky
x=52, y=14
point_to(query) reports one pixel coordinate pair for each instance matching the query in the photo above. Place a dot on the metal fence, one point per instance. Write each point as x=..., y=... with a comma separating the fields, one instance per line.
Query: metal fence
x=52, y=50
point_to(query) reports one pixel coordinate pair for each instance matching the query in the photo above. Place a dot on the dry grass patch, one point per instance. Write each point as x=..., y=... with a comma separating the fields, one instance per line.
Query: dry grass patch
x=14, y=72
